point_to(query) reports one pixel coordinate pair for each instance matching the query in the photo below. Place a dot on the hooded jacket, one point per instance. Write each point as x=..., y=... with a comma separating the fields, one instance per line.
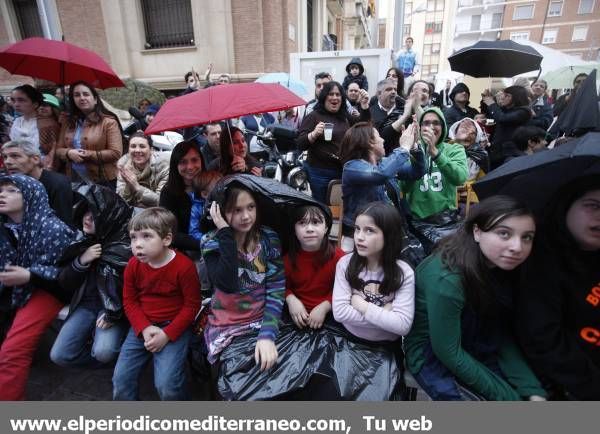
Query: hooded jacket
x=36, y=243
x=105, y=275
x=360, y=79
x=454, y=113
x=477, y=156
x=436, y=190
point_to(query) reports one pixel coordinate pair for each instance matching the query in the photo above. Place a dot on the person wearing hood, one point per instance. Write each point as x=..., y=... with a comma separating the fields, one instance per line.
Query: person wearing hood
x=468, y=133
x=92, y=271
x=32, y=239
x=460, y=105
x=510, y=112
x=356, y=74
x=557, y=318
x=446, y=168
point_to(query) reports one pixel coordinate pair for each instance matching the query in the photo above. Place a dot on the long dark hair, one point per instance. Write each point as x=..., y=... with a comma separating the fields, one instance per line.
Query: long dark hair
x=229, y=200
x=32, y=93
x=460, y=253
x=327, y=248
x=175, y=185
x=400, y=86
x=519, y=96
x=97, y=113
x=388, y=219
x=226, y=144
x=320, y=107
x=356, y=144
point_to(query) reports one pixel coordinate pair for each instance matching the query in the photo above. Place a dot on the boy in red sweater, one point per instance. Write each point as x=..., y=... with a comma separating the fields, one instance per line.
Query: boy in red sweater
x=161, y=296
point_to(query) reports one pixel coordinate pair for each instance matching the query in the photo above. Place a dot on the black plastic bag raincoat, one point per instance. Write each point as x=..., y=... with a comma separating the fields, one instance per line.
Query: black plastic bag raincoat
x=111, y=215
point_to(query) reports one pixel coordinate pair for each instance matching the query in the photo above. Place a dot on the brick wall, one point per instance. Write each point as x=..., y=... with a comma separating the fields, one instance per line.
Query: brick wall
x=83, y=25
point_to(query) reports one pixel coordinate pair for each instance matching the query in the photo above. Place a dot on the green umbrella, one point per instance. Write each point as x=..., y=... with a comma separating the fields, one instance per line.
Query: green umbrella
x=131, y=94
x=562, y=78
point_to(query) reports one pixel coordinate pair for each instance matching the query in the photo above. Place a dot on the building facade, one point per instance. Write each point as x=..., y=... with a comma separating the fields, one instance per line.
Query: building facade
x=571, y=26
x=158, y=41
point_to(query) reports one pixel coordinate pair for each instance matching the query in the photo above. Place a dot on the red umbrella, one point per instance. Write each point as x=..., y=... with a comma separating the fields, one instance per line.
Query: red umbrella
x=57, y=61
x=222, y=102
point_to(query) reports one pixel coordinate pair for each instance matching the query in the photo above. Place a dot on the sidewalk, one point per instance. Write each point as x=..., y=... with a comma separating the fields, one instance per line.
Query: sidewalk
x=50, y=382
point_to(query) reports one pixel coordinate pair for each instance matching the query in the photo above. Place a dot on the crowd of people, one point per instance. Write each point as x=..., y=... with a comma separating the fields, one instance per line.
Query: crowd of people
x=499, y=302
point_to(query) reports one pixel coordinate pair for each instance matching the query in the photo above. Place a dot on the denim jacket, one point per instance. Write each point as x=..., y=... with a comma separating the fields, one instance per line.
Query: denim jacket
x=363, y=182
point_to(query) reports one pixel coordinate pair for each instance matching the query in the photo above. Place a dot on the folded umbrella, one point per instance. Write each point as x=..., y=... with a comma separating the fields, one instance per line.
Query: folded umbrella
x=535, y=178
x=218, y=103
x=495, y=59
x=582, y=113
x=57, y=61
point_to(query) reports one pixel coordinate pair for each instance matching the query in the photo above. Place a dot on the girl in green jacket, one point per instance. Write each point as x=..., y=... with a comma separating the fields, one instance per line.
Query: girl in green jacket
x=461, y=345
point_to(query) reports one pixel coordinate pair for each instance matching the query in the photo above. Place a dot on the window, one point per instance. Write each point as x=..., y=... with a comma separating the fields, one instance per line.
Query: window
x=524, y=12
x=475, y=22
x=519, y=36
x=555, y=8
x=435, y=48
x=550, y=36
x=309, y=25
x=585, y=6
x=430, y=5
x=433, y=28
x=28, y=18
x=406, y=29
x=579, y=33
x=408, y=8
x=426, y=49
x=439, y=5
x=168, y=23
x=497, y=20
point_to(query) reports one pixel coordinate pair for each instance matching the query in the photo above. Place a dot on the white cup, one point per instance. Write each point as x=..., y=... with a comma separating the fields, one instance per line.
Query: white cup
x=328, y=132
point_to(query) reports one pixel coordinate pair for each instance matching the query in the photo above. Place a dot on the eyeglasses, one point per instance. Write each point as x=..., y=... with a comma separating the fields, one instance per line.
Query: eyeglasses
x=431, y=124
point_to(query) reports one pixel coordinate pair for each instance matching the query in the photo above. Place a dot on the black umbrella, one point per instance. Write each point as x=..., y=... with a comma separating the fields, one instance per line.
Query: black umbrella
x=275, y=203
x=582, y=113
x=535, y=178
x=495, y=59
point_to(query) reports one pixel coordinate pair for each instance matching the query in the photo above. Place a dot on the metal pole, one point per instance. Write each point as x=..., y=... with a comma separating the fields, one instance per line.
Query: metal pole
x=398, y=24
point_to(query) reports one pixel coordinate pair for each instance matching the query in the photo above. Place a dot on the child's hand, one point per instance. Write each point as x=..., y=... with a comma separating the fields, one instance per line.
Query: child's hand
x=157, y=342
x=297, y=311
x=217, y=218
x=359, y=303
x=102, y=323
x=316, y=318
x=91, y=254
x=13, y=275
x=265, y=353
x=149, y=332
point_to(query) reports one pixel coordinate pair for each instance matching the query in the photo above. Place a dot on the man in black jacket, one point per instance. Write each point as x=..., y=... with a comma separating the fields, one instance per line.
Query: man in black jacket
x=21, y=156
x=460, y=105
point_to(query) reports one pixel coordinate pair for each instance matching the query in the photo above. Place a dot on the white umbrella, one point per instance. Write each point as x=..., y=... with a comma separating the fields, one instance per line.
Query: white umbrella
x=553, y=59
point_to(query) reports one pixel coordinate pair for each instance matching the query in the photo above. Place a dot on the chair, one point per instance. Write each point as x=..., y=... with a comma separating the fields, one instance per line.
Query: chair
x=336, y=205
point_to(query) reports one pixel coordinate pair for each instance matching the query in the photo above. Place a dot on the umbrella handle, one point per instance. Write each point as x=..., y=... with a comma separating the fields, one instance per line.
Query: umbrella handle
x=539, y=74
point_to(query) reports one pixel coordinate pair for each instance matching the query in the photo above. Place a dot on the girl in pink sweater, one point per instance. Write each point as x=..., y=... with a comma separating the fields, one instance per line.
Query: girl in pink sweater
x=373, y=294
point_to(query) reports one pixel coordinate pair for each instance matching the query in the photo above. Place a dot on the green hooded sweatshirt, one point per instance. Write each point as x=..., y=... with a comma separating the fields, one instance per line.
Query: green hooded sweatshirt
x=436, y=190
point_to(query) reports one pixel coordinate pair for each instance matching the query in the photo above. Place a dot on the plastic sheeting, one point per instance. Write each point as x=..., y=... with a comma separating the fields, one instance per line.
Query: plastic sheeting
x=324, y=364
x=275, y=202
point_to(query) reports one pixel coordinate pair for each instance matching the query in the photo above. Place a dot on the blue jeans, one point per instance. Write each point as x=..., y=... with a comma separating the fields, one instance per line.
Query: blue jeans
x=319, y=179
x=74, y=347
x=169, y=368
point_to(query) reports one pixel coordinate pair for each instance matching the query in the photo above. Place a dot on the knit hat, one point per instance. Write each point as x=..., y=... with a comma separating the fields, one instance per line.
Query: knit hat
x=460, y=87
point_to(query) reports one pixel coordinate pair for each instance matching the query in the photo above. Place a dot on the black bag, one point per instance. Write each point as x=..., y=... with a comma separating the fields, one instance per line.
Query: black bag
x=432, y=229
